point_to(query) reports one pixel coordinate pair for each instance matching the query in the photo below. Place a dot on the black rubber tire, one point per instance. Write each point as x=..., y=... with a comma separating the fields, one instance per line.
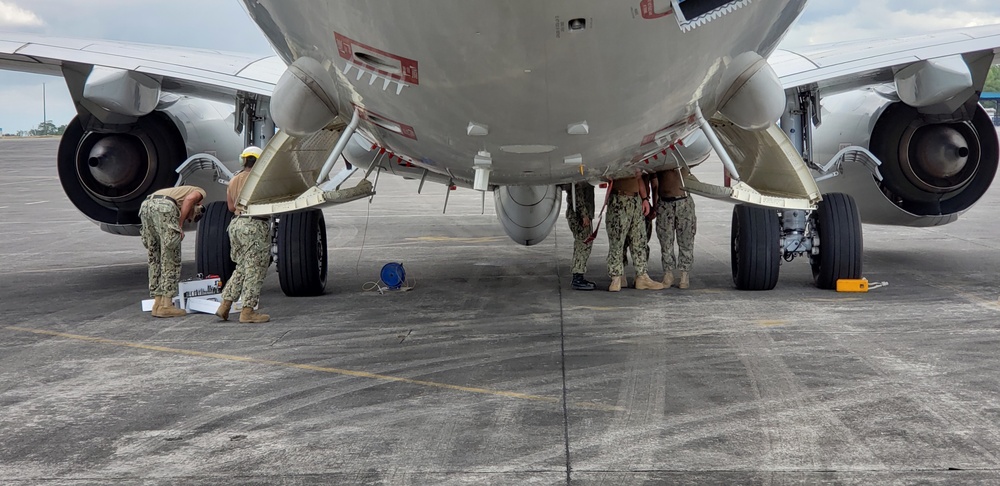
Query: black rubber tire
x=755, y=252
x=212, y=248
x=302, y=253
x=838, y=224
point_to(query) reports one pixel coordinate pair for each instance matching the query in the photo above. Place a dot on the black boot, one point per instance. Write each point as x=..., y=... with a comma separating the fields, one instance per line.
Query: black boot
x=580, y=283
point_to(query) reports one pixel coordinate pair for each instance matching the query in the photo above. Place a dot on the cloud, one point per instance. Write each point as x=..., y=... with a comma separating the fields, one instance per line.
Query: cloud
x=12, y=16
x=888, y=19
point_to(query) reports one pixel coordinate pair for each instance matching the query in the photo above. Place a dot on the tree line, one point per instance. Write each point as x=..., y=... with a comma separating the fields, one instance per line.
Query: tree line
x=993, y=80
x=47, y=128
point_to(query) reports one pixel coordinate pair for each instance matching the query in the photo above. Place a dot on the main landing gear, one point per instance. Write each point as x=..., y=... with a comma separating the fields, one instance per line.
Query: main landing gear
x=299, y=242
x=830, y=236
x=302, y=253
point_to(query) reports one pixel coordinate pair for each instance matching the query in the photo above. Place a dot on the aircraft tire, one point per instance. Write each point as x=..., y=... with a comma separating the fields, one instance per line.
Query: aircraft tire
x=755, y=255
x=212, y=249
x=302, y=253
x=838, y=223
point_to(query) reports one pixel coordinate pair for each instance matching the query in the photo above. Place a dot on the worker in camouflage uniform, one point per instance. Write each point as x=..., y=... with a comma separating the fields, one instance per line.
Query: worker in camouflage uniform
x=163, y=214
x=250, y=241
x=580, y=219
x=675, y=216
x=627, y=209
x=649, y=181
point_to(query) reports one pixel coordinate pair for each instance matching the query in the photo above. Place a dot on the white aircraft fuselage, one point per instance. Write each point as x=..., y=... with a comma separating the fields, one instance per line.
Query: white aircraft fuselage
x=538, y=85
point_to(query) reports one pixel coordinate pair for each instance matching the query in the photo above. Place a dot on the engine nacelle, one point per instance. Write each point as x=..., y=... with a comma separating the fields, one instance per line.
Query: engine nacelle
x=527, y=213
x=933, y=167
x=108, y=170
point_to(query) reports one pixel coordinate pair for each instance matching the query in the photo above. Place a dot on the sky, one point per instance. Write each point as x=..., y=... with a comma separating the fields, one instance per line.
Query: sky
x=224, y=25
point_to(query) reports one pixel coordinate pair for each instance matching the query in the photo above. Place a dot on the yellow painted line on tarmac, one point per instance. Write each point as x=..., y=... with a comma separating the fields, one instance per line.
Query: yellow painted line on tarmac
x=767, y=323
x=457, y=239
x=322, y=369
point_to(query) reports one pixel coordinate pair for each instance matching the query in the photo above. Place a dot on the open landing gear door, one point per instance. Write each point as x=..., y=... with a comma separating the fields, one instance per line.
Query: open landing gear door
x=285, y=178
x=290, y=181
x=773, y=173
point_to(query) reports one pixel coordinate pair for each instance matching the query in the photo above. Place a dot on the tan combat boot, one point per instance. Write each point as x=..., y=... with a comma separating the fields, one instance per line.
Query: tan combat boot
x=668, y=279
x=684, y=281
x=248, y=315
x=643, y=282
x=223, y=310
x=624, y=281
x=616, y=284
x=156, y=305
x=167, y=308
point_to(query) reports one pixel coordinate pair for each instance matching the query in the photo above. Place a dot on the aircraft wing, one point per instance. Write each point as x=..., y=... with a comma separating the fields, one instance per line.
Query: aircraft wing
x=848, y=65
x=200, y=72
x=895, y=123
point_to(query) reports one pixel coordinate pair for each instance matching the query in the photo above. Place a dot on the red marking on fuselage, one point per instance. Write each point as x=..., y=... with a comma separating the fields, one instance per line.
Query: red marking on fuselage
x=648, y=10
x=347, y=48
x=382, y=121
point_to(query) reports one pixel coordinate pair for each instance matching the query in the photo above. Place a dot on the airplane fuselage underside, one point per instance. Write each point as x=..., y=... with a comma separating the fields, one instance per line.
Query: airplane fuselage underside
x=543, y=87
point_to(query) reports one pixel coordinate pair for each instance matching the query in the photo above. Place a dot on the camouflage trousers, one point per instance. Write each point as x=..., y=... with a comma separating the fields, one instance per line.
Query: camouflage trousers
x=161, y=235
x=625, y=221
x=676, y=218
x=250, y=240
x=628, y=242
x=581, y=250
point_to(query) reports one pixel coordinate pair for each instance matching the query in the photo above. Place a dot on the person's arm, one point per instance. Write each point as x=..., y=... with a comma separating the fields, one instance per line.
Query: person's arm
x=187, y=209
x=231, y=193
x=231, y=202
x=580, y=210
x=644, y=194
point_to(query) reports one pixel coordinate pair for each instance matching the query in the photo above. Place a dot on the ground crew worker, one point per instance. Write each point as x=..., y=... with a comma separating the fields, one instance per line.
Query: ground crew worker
x=627, y=209
x=163, y=215
x=675, y=216
x=250, y=242
x=650, y=187
x=580, y=221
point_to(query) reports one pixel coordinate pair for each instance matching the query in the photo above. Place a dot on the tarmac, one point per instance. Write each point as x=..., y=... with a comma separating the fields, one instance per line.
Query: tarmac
x=491, y=370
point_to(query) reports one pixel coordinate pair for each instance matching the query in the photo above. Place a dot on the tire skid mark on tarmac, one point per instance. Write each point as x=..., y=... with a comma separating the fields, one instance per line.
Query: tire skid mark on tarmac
x=338, y=371
x=786, y=410
x=781, y=394
x=918, y=379
x=204, y=429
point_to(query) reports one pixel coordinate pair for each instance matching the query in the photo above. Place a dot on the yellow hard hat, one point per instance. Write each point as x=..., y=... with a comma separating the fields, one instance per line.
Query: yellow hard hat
x=251, y=151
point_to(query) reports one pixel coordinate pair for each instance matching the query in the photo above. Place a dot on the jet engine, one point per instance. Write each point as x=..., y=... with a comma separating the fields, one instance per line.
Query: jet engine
x=107, y=170
x=527, y=213
x=933, y=167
